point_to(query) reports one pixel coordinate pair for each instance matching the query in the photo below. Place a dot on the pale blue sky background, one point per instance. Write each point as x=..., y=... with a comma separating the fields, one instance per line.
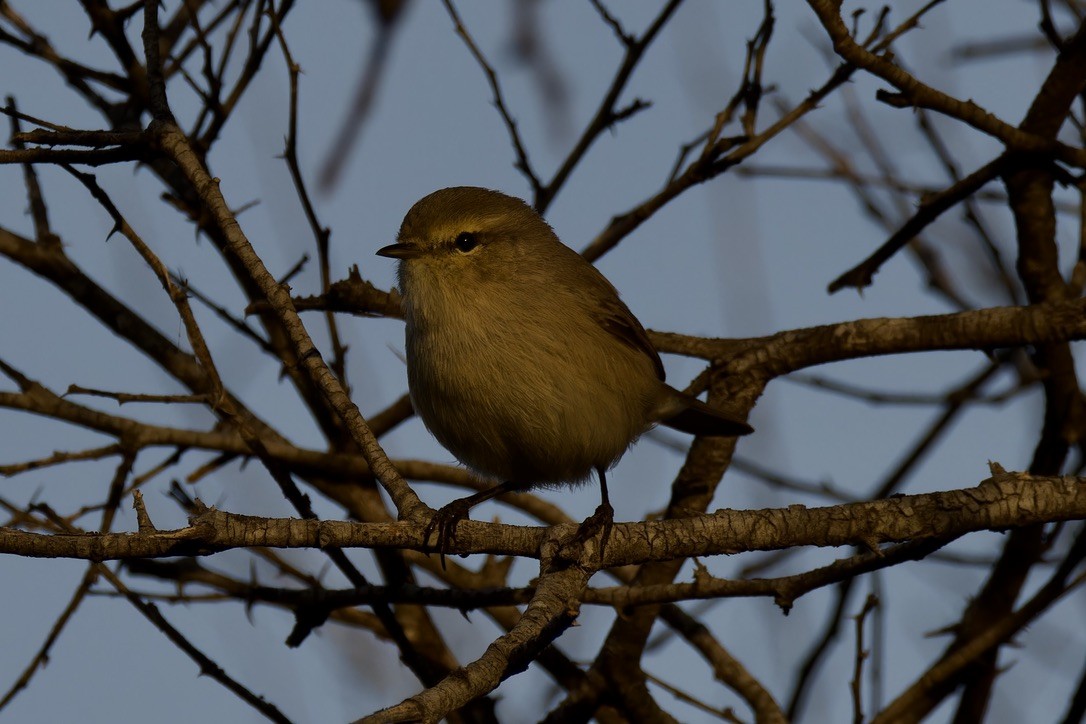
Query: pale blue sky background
x=736, y=257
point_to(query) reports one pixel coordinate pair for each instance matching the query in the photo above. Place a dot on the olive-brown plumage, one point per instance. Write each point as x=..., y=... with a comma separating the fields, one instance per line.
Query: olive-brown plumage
x=521, y=358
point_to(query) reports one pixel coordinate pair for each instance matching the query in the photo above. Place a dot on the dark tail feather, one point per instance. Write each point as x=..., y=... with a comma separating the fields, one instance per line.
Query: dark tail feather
x=700, y=419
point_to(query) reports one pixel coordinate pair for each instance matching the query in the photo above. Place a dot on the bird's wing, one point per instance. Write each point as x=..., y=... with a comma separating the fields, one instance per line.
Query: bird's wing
x=609, y=310
x=616, y=318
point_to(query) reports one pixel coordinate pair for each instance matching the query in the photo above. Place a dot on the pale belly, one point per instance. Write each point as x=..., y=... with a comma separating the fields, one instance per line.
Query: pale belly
x=543, y=416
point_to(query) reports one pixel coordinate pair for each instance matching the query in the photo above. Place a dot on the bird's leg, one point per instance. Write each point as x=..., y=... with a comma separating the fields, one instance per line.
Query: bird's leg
x=446, y=519
x=603, y=519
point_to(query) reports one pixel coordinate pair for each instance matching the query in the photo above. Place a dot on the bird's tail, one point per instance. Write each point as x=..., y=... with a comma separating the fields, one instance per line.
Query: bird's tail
x=688, y=414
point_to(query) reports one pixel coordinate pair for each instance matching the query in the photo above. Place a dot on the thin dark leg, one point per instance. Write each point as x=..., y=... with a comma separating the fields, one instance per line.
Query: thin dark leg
x=605, y=502
x=603, y=519
x=604, y=512
x=446, y=519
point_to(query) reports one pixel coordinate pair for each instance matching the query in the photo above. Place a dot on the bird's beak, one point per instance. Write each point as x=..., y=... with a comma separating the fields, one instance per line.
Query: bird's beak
x=400, y=251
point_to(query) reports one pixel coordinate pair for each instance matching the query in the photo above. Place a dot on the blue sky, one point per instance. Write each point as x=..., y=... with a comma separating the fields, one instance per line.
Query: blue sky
x=736, y=257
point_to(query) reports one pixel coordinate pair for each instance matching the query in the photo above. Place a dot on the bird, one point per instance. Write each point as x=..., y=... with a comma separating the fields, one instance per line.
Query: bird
x=522, y=360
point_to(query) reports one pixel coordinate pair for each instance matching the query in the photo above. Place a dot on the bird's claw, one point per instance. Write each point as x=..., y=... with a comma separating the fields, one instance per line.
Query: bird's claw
x=602, y=520
x=444, y=523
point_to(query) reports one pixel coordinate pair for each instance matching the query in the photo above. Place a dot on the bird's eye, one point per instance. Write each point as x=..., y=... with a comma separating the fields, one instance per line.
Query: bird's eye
x=466, y=241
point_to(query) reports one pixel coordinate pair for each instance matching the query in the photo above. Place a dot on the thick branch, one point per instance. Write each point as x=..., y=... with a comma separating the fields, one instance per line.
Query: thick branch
x=983, y=329
x=1008, y=500
x=552, y=610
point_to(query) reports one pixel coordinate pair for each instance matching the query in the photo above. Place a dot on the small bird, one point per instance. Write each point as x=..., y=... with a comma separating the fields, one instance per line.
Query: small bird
x=521, y=358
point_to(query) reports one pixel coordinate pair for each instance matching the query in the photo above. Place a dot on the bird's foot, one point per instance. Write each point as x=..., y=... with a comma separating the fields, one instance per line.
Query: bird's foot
x=599, y=523
x=444, y=524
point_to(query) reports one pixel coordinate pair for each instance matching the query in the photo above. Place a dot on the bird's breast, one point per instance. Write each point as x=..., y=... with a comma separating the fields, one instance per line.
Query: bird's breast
x=525, y=388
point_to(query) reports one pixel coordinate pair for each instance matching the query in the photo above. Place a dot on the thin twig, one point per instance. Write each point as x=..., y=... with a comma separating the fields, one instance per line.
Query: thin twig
x=856, y=686
x=523, y=164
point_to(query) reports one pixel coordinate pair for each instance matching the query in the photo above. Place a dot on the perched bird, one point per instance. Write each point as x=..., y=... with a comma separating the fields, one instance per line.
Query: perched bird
x=521, y=358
